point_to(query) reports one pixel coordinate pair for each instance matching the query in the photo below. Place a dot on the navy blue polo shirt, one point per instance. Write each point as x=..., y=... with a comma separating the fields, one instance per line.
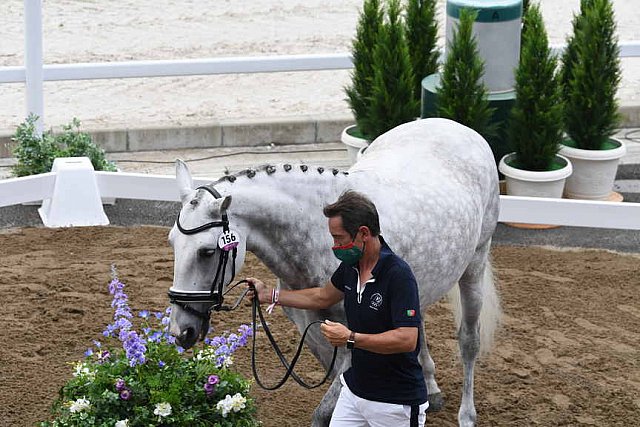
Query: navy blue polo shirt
x=388, y=301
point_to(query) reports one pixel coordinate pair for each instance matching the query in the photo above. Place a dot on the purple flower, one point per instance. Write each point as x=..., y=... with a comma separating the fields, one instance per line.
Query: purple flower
x=104, y=356
x=158, y=315
x=161, y=364
x=144, y=314
x=125, y=394
x=209, y=388
x=120, y=384
x=180, y=349
x=88, y=353
x=97, y=343
x=213, y=379
x=135, y=347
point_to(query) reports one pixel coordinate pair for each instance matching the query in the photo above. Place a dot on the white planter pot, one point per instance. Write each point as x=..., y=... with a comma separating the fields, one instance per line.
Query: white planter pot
x=594, y=171
x=353, y=143
x=525, y=183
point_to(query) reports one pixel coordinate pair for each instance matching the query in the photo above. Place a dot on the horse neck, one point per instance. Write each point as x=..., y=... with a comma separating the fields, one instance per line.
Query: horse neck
x=281, y=214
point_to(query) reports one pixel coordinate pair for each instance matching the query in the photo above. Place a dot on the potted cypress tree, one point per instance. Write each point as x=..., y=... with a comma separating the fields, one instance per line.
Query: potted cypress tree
x=535, y=125
x=393, y=100
x=461, y=94
x=590, y=77
x=368, y=28
x=422, y=36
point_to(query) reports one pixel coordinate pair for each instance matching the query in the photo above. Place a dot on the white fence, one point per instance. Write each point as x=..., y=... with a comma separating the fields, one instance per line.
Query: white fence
x=34, y=73
x=74, y=200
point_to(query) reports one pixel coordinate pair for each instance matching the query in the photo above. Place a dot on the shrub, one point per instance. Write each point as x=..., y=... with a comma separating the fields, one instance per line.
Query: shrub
x=36, y=154
x=462, y=95
x=393, y=99
x=359, y=93
x=591, y=75
x=535, y=126
x=422, y=37
x=149, y=381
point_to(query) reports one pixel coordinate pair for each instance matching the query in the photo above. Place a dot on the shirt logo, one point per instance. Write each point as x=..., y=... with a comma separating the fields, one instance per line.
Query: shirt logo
x=347, y=287
x=376, y=301
x=411, y=313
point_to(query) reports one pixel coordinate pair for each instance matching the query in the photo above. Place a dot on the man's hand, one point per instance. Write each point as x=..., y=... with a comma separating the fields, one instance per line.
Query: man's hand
x=264, y=293
x=336, y=333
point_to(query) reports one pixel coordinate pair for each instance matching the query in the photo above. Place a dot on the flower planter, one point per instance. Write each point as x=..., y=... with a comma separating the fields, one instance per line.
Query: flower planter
x=594, y=171
x=521, y=182
x=353, y=142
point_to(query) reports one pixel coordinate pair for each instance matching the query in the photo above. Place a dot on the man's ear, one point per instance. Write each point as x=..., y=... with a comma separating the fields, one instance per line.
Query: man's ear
x=184, y=180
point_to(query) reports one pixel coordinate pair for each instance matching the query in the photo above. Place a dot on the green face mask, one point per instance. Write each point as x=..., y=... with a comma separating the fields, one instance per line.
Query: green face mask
x=348, y=253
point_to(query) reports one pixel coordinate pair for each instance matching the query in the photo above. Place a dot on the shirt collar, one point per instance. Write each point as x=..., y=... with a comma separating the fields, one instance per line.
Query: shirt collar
x=385, y=254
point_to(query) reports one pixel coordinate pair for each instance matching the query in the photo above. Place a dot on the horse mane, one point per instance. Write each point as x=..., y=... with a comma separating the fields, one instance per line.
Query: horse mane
x=270, y=169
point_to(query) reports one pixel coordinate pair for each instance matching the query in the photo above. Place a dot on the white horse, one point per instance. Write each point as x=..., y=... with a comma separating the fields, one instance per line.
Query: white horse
x=435, y=186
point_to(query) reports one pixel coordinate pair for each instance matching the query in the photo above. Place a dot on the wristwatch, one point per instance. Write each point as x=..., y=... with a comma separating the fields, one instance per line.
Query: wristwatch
x=351, y=342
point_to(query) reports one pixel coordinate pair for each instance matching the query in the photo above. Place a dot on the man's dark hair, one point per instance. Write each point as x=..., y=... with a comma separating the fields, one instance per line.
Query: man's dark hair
x=356, y=210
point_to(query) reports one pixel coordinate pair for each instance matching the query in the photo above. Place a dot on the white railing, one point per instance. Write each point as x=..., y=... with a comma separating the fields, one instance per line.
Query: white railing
x=56, y=188
x=34, y=73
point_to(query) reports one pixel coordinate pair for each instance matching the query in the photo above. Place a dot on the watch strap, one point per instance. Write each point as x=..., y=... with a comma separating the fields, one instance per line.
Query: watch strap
x=352, y=340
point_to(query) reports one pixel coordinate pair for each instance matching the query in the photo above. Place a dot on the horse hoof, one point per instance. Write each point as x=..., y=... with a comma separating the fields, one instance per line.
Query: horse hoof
x=436, y=402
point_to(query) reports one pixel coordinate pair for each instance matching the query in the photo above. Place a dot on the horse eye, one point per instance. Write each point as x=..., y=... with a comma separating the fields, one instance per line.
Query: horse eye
x=206, y=253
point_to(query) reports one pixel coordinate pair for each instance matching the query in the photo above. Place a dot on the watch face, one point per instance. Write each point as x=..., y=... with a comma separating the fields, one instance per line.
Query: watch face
x=350, y=344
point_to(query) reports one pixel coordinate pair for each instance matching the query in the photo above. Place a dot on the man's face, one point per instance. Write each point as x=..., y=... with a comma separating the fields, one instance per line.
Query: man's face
x=340, y=236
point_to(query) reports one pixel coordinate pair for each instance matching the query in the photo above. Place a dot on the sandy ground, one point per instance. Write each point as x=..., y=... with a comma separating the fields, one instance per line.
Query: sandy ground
x=568, y=352
x=98, y=31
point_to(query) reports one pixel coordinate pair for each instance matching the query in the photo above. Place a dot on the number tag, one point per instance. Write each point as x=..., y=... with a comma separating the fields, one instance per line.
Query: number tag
x=228, y=240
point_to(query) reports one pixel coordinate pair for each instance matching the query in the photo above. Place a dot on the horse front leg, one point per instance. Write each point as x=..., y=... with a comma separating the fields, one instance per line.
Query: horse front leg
x=436, y=400
x=322, y=414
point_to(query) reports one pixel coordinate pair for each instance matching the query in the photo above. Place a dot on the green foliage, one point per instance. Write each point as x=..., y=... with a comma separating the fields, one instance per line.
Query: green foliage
x=367, y=33
x=462, y=95
x=525, y=8
x=36, y=154
x=392, y=98
x=535, y=125
x=422, y=36
x=149, y=381
x=590, y=76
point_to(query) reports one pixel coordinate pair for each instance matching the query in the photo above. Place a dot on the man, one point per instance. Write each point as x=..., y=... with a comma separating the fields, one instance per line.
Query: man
x=384, y=385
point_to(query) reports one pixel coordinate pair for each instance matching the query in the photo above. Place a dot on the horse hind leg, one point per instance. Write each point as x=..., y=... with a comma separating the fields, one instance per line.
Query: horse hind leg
x=476, y=286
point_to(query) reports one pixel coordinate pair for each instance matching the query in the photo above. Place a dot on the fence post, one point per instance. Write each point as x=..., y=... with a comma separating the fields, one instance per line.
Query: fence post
x=33, y=60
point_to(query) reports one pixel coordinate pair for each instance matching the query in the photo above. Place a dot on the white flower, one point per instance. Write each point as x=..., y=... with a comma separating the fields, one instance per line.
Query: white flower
x=162, y=409
x=80, y=405
x=82, y=370
x=122, y=423
x=227, y=362
x=228, y=404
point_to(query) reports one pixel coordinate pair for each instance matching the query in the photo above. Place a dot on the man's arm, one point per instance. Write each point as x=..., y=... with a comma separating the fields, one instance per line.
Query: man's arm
x=318, y=298
x=399, y=340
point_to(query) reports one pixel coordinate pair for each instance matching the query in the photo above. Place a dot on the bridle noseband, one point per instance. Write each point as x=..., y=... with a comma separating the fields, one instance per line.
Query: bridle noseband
x=215, y=295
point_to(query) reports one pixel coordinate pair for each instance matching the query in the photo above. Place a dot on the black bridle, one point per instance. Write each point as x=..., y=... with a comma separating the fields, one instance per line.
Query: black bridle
x=214, y=295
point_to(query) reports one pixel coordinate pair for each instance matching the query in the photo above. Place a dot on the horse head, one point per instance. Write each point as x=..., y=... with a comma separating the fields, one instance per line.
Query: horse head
x=209, y=250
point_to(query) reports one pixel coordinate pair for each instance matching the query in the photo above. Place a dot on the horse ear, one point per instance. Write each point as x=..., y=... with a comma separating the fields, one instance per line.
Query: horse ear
x=225, y=203
x=185, y=182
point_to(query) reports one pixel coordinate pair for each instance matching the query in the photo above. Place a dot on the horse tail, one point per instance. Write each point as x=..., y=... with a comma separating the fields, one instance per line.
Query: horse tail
x=491, y=311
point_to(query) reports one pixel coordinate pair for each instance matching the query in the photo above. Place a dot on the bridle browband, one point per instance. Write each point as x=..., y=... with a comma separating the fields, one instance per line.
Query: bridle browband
x=215, y=295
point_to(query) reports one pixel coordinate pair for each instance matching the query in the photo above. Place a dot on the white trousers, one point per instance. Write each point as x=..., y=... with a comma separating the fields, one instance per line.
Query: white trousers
x=354, y=411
